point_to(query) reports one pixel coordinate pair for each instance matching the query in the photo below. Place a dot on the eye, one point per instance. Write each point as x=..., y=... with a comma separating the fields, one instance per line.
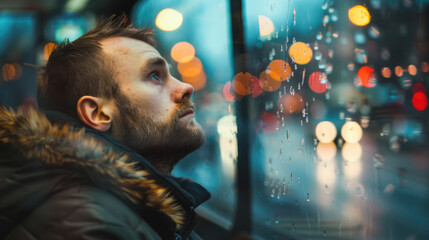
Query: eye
x=155, y=76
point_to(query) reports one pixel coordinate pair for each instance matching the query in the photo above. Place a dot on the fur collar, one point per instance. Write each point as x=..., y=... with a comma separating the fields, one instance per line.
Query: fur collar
x=37, y=138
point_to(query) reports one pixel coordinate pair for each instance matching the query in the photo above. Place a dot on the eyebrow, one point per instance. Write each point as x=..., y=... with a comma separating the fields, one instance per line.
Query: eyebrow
x=155, y=62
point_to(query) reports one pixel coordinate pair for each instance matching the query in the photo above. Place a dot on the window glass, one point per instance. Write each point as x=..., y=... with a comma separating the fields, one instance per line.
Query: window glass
x=340, y=150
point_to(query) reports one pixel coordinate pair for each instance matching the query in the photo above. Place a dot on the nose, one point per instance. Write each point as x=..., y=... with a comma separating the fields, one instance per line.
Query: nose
x=182, y=92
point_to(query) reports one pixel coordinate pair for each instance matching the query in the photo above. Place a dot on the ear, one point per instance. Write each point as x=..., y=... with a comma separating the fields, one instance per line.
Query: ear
x=95, y=112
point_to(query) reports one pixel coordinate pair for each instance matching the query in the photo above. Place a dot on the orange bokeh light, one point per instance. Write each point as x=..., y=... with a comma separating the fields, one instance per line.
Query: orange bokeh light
x=198, y=81
x=242, y=83
x=8, y=72
x=268, y=83
x=399, y=71
x=366, y=76
x=279, y=70
x=182, y=52
x=292, y=104
x=412, y=70
x=190, y=68
x=300, y=53
x=386, y=72
x=49, y=47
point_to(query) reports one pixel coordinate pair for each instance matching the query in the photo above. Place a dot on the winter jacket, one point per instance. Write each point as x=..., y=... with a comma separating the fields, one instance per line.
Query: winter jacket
x=60, y=180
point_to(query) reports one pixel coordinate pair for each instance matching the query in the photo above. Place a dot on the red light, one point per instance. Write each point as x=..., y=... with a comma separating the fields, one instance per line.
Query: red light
x=420, y=101
x=366, y=76
x=267, y=122
x=315, y=84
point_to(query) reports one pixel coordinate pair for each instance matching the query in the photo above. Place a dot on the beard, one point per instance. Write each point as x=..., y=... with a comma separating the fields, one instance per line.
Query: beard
x=162, y=143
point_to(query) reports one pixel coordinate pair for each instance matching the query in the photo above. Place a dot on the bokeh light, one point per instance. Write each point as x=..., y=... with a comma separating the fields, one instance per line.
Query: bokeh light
x=314, y=81
x=267, y=122
x=326, y=132
x=367, y=77
x=191, y=68
x=8, y=72
x=18, y=70
x=292, y=104
x=385, y=72
x=242, y=83
x=197, y=81
x=268, y=83
x=326, y=151
x=227, y=92
x=300, y=53
x=47, y=50
x=168, y=19
x=399, y=71
x=420, y=101
x=412, y=70
x=351, y=152
x=359, y=15
x=266, y=26
x=279, y=70
x=351, y=132
x=183, y=52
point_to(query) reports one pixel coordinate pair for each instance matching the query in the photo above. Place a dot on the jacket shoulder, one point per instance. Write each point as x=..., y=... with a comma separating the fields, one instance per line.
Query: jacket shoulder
x=84, y=212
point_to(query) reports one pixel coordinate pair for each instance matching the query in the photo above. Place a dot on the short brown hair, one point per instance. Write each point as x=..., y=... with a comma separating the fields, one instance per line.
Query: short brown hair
x=80, y=68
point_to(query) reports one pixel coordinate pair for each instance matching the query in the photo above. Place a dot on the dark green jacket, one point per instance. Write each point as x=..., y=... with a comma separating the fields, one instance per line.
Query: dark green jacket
x=62, y=181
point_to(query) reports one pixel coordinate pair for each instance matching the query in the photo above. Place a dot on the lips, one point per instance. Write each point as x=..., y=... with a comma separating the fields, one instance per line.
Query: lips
x=187, y=112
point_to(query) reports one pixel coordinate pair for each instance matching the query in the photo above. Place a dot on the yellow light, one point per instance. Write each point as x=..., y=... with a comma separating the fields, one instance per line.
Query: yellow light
x=326, y=151
x=300, y=53
x=169, y=19
x=359, y=15
x=351, y=132
x=182, y=52
x=266, y=26
x=351, y=152
x=326, y=132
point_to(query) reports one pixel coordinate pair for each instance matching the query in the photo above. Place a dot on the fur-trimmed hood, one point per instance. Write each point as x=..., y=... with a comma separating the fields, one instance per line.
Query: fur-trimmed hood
x=64, y=146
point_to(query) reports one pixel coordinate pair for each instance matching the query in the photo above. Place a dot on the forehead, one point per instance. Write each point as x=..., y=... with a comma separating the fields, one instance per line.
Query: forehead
x=124, y=46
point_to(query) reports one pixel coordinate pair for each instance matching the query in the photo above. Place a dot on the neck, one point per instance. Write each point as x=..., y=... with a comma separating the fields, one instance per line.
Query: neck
x=164, y=164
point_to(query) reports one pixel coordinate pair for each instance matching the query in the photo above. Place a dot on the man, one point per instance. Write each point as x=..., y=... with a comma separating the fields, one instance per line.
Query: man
x=96, y=164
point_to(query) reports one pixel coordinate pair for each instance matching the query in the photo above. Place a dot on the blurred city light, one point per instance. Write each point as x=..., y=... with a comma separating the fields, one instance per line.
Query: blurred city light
x=268, y=83
x=420, y=101
x=359, y=15
x=198, y=81
x=367, y=77
x=183, y=52
x=190, y=68
x=351, y=132
x=314, y=81
x=266, y=26
x=279, y=70
x=169, y=19
x=300, y=53
x=242, y=84
x=326, y=132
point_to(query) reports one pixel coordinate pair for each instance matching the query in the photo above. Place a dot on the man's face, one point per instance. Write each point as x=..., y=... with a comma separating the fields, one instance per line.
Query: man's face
x=155, y=116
